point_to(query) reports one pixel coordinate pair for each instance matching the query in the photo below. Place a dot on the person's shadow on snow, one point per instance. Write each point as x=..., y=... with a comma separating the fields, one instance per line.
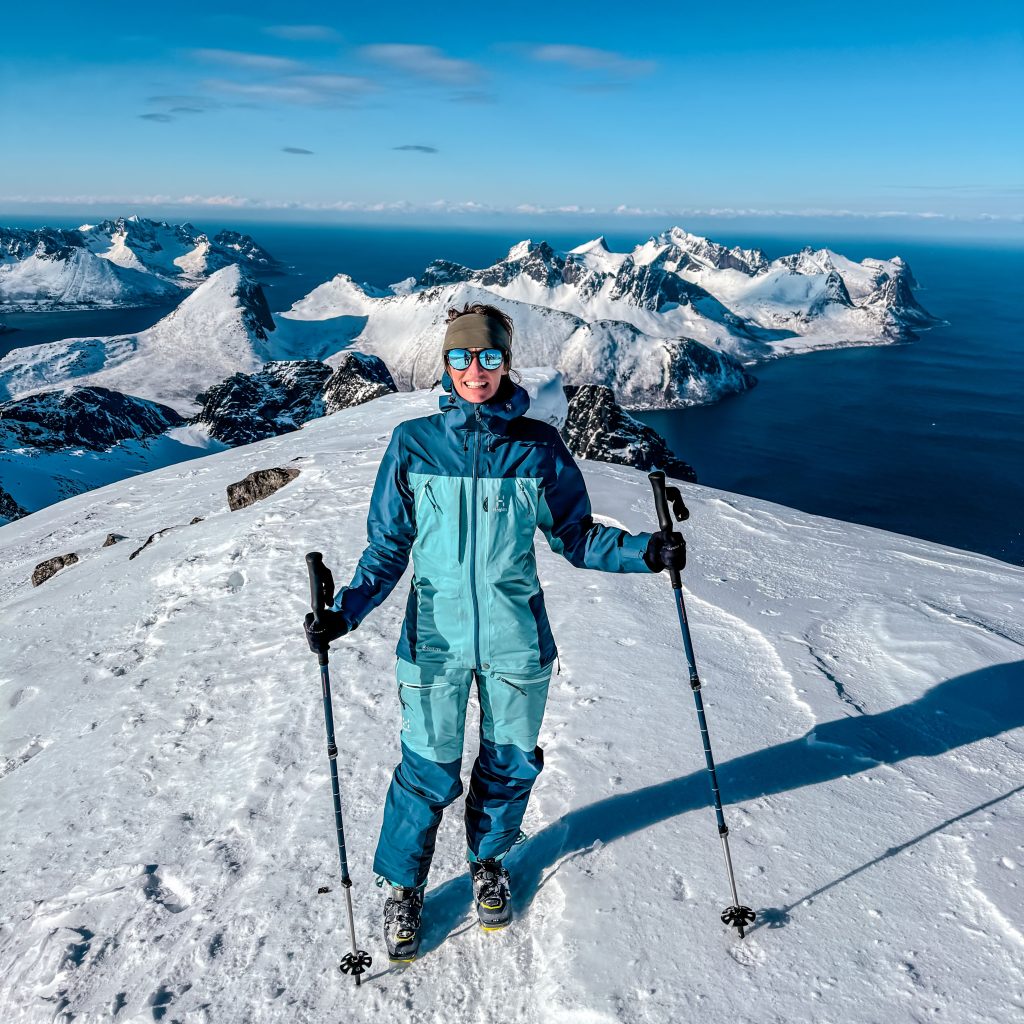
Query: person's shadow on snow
x=953, y=714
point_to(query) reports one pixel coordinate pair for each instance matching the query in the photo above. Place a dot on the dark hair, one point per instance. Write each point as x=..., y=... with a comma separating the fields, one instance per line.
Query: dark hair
x=495, y=314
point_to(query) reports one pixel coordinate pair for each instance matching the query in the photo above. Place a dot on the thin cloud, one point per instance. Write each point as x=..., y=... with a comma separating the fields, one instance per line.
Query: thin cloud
x=456, y=208
x=304, y=90
x=297, y=150
x=352, y=84
x=187, y=110
x=161, y=118
x=417, y=149
x=182, y=101
x=302, y=33
x=587, y=58
x=246, y=61
x=426, y=62
x=473, y=96
x=282, y=93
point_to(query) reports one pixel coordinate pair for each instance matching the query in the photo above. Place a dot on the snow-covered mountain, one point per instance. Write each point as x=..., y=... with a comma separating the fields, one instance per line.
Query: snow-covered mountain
x=166, y=799
x=221, y=328
x=668, y=324
x=404, y=329
x=130, y=261
x=55, y=444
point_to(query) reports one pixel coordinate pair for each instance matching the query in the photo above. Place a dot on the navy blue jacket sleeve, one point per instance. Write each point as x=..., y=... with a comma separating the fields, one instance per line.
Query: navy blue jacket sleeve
x=564, y=514
x=390, y=528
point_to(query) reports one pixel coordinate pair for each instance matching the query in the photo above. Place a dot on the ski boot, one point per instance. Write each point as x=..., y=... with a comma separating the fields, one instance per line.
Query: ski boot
x=402, y=911
x=493, y=896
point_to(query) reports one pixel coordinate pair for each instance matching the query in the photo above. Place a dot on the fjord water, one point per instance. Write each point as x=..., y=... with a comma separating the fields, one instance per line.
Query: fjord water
x=924, y=438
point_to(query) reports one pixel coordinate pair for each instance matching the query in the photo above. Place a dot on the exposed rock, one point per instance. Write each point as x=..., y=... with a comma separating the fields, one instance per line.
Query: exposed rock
x=597, y=427
x=357, y=378
x=278, y=398
x=9, y=508
x=443, y=272
x=284, y=395
x=149, y=540
x=81, y=417
x=196, y=519
x=114, y=538
x=259, y=485
x=44, y=570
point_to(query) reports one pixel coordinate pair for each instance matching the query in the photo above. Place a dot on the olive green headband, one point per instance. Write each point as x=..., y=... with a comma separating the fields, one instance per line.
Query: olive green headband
x=476, y=330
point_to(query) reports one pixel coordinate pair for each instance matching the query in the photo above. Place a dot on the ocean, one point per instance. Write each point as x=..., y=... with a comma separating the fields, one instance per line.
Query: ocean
x=924, y=438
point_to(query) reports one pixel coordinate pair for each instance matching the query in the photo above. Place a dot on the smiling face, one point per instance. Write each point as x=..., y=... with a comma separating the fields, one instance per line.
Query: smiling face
x=475, y=384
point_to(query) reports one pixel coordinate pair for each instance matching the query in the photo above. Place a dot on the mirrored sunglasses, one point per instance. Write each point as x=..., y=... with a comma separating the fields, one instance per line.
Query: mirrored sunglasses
x=489, y=358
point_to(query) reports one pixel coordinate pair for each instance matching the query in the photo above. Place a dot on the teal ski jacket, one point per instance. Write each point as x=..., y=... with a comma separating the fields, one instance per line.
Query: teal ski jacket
x=462, y=493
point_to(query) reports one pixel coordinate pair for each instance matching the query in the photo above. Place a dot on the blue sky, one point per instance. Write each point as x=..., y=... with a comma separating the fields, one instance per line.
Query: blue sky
x=460, y=110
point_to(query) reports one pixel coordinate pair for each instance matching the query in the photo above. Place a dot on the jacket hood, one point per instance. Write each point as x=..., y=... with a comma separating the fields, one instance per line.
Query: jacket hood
x=510, y=402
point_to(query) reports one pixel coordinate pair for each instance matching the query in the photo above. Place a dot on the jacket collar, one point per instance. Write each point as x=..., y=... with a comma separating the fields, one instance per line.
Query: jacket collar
x=495, y=414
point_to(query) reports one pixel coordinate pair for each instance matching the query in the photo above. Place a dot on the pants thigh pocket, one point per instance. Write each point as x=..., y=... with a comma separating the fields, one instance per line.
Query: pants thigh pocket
x=512, y=707
x=433, y=710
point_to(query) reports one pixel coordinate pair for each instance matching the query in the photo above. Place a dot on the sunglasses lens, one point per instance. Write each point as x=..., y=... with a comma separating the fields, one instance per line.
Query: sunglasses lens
x=459, y=358
x=491, y=358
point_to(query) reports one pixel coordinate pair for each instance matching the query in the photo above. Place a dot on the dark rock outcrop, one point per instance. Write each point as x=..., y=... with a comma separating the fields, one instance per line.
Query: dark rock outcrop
x=113, y=538
x=597, y=427
x=259, y=485
x=278, y=398
x=88, y=417
x=358, y=378
x=9, y=508
x=44, y=570
x=149, y=540
x=284, y=395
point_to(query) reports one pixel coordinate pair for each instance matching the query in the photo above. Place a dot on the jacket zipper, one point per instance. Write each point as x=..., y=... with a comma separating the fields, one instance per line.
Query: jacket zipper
x=428, y=490
x=472, y=547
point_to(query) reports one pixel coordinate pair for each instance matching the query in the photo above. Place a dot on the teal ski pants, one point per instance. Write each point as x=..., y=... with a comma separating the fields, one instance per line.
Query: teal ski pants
x=434, y=701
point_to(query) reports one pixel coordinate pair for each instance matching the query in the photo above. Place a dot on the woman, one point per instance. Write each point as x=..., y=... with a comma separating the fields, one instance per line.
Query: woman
x=463, y=492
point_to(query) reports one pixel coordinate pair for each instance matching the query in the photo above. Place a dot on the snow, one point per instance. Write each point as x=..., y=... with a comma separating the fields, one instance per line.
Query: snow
x=205, y=339
x=166, y=802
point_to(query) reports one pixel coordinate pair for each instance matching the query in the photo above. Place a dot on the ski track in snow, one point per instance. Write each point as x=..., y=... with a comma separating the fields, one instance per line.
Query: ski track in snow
x=166, y=800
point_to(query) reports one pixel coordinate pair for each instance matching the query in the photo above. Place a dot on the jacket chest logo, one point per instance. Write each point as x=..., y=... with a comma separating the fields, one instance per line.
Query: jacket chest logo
x=498, y=505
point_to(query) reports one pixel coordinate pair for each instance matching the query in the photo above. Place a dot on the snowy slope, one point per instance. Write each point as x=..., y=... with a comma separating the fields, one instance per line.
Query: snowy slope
x=645, y=369
x=166, y=804
x=220, y=329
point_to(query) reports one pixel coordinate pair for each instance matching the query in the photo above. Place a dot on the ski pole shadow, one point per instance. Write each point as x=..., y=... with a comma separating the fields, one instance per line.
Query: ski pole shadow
x=952, y=714
x=779, y=917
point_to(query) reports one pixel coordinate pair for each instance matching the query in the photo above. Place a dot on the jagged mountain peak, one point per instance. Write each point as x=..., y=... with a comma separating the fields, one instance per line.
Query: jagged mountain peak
x=597, y=245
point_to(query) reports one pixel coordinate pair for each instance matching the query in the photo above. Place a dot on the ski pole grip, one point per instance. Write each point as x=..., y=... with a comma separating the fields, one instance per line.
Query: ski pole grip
x=315, y=565
x=657, y=479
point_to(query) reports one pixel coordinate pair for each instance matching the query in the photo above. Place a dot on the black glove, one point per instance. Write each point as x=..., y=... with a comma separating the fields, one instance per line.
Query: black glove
x=332, y=625
x=665, y=551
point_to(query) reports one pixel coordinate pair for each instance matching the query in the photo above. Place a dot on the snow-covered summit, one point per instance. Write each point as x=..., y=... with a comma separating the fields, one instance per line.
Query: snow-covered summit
x=167, y=808
x=222, y=328
x=123, y=262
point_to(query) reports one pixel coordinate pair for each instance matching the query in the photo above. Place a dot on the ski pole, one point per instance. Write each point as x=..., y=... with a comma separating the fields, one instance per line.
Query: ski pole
x=321, y=586
x=737, y=916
